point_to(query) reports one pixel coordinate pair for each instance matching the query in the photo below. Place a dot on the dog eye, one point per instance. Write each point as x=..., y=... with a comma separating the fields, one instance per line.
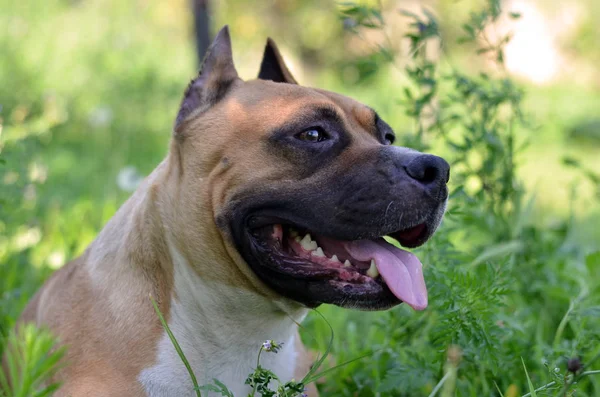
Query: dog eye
x=312, y=135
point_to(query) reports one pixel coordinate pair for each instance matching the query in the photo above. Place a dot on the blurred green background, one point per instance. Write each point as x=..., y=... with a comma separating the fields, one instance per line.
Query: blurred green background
x=89, y=90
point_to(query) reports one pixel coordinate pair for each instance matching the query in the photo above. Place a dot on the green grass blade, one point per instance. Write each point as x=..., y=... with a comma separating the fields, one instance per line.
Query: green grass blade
x=440, y=384
x=563, y=323
x=532, y=392
x=498, y=250
x=3, y=383
x=498, y=388
x=335, y=368
x=177, y=347
x=48, y=391
x=30, y=362
x=319, y=362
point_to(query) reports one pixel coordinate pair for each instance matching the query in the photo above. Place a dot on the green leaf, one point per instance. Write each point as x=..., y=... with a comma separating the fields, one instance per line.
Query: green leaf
x=531, y=388
x=484, y=50
x=500, y=56
x=571, y=162
x=377, y=14
x=336, y=367
x=498, y=389
x=469, y=30
x=217, y=387
x=592, y=262
x=498, y=250
x=430, y=16
x=410, y=14
x=464, y=39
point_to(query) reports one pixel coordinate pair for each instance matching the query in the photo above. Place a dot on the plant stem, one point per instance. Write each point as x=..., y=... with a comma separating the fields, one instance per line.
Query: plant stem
x=567, y=384
x=440, y=384
x=257, y=365
x=540, y=388
x=177, y=347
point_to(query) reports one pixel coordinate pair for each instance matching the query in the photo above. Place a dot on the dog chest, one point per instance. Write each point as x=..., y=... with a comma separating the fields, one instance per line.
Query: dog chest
x=219, y=341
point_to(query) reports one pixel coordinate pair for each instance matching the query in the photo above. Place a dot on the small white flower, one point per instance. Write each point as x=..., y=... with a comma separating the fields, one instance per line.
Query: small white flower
x=271, y=346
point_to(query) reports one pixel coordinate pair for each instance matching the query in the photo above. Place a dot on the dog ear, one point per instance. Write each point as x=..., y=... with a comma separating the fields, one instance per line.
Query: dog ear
x=272, y=66
x=217, y=75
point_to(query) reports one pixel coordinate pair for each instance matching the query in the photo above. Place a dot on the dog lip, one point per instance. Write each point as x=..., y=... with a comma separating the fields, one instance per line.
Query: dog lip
x=411, y=236
x=255, y=222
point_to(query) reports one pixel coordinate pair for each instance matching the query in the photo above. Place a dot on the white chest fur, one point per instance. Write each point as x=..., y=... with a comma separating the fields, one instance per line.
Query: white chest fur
x=220, y=330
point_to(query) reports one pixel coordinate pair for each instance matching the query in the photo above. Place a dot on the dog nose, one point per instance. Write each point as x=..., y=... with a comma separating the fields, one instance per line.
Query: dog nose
x=432, y=171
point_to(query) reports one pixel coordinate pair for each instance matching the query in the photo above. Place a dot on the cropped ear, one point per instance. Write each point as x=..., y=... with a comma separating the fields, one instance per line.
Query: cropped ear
x=217, y=74
x=272, y=66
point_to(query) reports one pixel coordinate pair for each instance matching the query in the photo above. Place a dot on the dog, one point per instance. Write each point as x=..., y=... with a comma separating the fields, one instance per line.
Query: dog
x=274, y=198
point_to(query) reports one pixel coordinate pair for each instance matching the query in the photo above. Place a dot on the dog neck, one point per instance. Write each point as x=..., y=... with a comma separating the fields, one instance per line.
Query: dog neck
x=220, y=329
x=218, y=319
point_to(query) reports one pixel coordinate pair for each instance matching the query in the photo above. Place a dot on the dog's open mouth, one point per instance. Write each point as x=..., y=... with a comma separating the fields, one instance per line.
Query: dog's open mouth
x=361, y=267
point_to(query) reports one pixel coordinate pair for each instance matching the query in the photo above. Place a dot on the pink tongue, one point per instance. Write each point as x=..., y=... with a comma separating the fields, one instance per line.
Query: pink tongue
x=401, y=270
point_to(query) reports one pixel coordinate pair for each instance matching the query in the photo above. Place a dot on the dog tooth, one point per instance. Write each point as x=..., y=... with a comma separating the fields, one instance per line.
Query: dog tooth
x=308, y=244
x=347, y=263
x=373, y=272
x=297, y=239
x=293, y=233
x=335, y=259
x=318, y=252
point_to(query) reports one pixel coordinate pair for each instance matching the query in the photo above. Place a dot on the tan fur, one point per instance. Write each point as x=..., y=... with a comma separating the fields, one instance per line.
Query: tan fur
x=98, y=305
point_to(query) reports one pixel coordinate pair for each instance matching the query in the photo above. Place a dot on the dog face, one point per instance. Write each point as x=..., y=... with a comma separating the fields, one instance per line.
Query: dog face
x=304, y=184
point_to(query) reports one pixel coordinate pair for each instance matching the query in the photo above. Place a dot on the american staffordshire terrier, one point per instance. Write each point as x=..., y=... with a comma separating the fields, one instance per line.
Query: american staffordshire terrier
x=273, y=199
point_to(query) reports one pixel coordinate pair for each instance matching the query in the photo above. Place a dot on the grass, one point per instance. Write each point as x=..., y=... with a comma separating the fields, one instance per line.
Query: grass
x=89, y=88
x=30, y=360
x=180, y=353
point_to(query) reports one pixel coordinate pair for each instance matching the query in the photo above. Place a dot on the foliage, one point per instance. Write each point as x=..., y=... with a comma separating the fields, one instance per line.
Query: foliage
x=592, y=176
x=31, y=359
x=506, y=295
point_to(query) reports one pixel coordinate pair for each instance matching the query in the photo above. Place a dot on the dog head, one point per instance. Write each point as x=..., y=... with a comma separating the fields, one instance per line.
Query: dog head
x=304, y=184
